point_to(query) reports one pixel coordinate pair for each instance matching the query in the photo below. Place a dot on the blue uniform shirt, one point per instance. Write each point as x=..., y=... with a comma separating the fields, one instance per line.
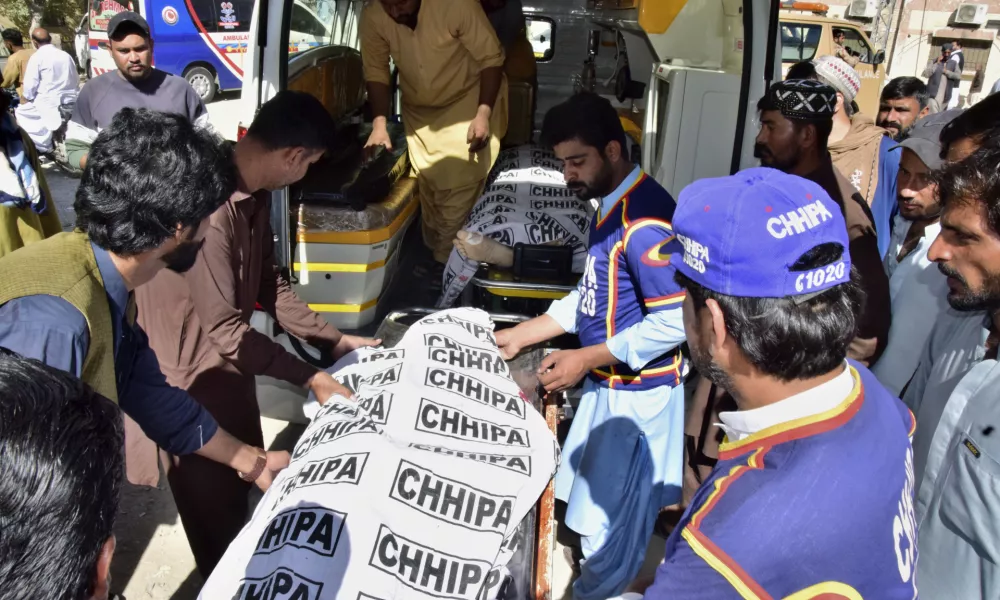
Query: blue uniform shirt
x=51, y=330
x=819, y=506
x=627, y=297
x=884, y=204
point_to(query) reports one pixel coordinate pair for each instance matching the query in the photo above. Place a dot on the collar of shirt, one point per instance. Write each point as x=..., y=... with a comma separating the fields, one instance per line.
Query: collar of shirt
x=608, y=202
x=826, y=396
x=900, y=228
x=114, y=285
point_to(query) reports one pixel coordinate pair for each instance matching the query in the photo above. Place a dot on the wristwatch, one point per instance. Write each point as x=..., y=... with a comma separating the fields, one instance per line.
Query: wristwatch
x=257, y=468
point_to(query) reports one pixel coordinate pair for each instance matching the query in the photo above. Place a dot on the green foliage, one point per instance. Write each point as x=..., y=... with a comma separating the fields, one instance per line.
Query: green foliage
x=62, y=16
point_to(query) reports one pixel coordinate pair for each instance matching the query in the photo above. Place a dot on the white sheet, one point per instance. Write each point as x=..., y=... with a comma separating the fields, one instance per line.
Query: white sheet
x=411, y=493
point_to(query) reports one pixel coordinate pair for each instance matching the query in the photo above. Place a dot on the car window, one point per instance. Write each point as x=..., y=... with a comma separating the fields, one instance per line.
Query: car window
x=303, y=21
x=101, y=12
x=856, y=45
x=799, y=41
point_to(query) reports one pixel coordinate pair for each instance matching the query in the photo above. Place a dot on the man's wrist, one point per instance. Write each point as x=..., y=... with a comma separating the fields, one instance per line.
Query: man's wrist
x=485, y=111
x=380, y=122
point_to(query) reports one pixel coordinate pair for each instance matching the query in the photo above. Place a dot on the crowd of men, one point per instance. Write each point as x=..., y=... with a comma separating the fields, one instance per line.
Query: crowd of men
x=840, y=306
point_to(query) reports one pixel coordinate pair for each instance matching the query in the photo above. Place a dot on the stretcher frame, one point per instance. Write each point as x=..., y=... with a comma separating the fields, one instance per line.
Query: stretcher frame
x=501, y=284
x=523, y=369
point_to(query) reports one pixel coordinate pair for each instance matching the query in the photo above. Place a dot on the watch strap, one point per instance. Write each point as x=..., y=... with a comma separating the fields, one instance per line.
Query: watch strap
x=258, y=468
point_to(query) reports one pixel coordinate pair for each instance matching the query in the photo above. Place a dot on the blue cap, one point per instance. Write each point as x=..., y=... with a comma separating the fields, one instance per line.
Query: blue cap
x=743, y=233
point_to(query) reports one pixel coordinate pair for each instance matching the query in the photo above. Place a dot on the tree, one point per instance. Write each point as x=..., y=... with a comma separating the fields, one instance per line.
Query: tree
x=57, y=14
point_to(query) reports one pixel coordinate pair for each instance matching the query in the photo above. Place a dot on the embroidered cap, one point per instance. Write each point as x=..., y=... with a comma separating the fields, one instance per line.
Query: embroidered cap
x=803, y=99
x=742, y=235
x=840, y=75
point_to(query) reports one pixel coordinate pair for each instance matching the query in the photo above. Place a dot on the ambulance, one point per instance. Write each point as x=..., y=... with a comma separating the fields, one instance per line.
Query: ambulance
x=203, y=41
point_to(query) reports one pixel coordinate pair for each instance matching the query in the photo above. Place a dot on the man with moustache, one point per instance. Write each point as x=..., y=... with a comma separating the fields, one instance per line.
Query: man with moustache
x=811, y=494
x=136, y=84
x=199, y=321
x=916, y=287
x=68, y=300
x=902, y=103
x=796, y=117
x=955, y=392
x=622, y=459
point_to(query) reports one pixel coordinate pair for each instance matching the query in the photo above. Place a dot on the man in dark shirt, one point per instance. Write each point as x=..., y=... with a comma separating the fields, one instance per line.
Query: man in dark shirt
x=143, y=201
x=199, y=321
x=136, y=84
x=795, y=121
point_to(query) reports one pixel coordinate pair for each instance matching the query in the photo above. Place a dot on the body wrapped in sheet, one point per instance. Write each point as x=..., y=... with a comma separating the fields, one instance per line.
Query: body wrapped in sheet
x=416, y=491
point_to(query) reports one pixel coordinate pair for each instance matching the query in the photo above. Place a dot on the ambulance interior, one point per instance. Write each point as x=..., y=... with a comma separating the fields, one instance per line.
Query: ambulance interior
x=685, y=76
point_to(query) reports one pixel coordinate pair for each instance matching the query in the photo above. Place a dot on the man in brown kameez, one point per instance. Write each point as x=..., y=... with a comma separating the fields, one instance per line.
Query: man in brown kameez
x=199, y=323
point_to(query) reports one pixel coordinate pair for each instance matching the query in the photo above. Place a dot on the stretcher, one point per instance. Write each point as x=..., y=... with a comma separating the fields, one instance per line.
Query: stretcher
x=496, y=289
x=532, y=565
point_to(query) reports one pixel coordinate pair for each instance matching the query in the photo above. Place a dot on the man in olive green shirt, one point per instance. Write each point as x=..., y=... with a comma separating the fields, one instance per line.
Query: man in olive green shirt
x=13, y=73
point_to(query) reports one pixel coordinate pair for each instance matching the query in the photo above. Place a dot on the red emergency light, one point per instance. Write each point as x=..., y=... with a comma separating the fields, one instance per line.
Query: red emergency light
x=241, y=132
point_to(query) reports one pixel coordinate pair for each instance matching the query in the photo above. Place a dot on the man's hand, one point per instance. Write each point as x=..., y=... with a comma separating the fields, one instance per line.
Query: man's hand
x=350, y=343
x=276, y=462
x=324, y=386
x=479, y=130
x=563, y=369
x=509, y=343
x=379, y=137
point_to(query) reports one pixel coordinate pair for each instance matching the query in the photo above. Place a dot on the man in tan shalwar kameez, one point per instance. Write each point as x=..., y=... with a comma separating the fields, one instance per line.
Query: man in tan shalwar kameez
x=454, y=101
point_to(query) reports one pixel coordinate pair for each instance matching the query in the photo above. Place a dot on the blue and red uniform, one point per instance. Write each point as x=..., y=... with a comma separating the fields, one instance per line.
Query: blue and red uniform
x=780, y=515
x=622, y=460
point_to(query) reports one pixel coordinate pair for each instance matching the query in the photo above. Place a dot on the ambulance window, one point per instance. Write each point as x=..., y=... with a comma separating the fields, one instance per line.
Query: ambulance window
x=541, y=34
x=234, y=15
x=304, y=22
x=799, y=41
x=101, y=12
x=206, y=13
x=856, y=45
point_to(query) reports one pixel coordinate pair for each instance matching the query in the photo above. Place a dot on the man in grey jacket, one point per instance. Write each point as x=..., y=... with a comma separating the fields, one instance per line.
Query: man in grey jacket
x=940, y=74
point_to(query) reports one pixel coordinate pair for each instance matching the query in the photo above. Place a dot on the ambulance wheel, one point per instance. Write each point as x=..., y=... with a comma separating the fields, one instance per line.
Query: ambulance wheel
x=203, y=82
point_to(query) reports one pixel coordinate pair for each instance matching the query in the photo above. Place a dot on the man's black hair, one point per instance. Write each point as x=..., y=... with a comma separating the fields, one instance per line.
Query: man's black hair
x=974, y=182
x=791, y=338
x=293, y=120
x=981, y=121
x=13, y=36
x=906, y=87
x=148, y=173
x=586, y=117
x=823, y=126
x=805, y=69
x=61, y=468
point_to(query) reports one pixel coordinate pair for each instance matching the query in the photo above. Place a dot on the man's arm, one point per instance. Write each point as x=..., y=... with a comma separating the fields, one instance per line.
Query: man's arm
x=278, y=300
x=213, y=293
x=10, y=73
x=873, y=324
x=81, y=131
x=46, y=328
x=31, y=78
x=179, y=425
x=375, y=58
x=559, y=319
x=473, y=28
